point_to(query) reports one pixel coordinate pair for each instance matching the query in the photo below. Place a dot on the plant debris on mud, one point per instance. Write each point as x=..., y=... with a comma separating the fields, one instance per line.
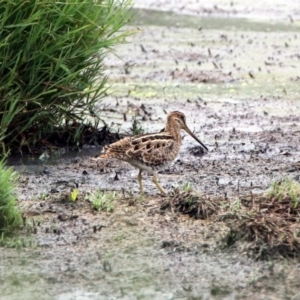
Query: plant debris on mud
x=186, y=202
x=272, y=226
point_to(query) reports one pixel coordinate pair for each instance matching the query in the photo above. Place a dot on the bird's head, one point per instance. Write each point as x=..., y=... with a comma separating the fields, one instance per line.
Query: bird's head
x=177, y=118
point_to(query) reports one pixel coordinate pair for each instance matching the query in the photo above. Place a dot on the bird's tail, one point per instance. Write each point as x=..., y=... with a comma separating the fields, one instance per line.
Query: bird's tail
x=102, y=155
x=98, y=157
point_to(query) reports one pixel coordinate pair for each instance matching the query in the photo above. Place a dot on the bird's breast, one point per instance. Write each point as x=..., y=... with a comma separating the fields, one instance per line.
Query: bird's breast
x=149, y=167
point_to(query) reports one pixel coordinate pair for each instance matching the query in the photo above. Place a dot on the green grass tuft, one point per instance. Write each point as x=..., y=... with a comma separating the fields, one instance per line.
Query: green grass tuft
x=137, y=127
x=10, y=216
x=52, y=71
x=187, y=187
x=286, y=189
x=73, y=195
x=104, y=201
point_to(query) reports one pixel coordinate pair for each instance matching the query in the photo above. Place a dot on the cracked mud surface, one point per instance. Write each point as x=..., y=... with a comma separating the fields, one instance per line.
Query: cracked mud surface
x=239, y=89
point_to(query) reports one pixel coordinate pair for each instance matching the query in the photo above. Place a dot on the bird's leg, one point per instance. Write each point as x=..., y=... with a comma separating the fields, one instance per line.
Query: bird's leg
x=140, y=182
x=154, y=179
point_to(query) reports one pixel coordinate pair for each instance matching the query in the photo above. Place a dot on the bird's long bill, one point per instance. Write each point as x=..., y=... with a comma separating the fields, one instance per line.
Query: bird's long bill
x=192, y=135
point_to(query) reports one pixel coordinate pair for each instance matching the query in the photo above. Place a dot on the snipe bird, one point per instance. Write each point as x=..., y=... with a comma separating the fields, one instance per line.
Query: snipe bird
x=154, y=151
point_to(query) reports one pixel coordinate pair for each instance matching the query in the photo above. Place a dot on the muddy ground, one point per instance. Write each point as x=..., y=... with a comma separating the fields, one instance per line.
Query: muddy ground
x=237, y=81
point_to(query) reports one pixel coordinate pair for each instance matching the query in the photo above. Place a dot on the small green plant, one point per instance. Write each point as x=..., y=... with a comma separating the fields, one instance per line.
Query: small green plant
x=187, y=187
x=105, y=201
x=10, y=216
x=74, y=195
x=137, y=128
x=237, y=204
x=286, y=189
x=10, y=242
x=224, y=204
x=140, y=198
x=17, y=242
x=43, y=196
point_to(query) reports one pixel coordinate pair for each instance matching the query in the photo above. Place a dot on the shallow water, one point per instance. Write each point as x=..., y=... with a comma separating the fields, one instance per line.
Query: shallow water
x=171, y=19
x=50, y=158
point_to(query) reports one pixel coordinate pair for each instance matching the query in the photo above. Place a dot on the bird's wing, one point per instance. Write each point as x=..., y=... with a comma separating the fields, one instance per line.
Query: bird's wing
x=117, y=149
x=152, y=149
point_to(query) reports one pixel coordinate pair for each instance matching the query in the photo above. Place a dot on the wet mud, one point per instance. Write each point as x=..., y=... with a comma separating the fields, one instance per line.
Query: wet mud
x=240, y=92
